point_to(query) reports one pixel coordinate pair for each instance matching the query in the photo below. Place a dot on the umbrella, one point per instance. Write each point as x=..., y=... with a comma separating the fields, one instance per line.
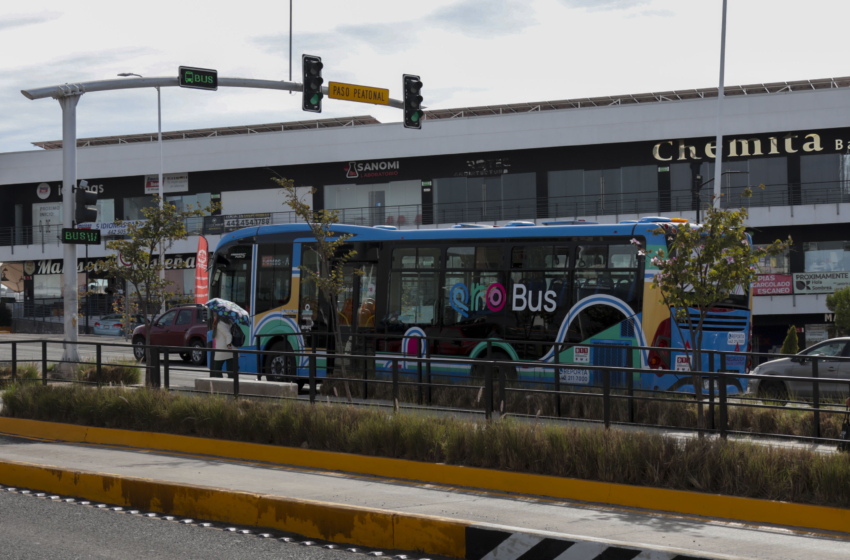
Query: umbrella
x=229, y=311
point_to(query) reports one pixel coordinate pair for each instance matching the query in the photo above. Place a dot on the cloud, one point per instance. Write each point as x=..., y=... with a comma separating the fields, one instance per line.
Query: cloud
x=473, y=18
x=603, y=5
x=484, y=18
x=652, y=13
x=12, y=22
x=380, y=37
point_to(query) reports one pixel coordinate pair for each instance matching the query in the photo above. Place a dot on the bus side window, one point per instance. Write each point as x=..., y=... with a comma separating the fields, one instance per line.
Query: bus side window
x=274, y=276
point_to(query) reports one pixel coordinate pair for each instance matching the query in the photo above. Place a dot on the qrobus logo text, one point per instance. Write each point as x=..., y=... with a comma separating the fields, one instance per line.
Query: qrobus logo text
x=523, y=299
x=494, y=296
x=354, y=170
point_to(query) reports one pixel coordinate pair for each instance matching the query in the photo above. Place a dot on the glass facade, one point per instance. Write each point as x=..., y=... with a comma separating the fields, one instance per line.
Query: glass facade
x=133, y=206
x=779, y=264
x=588, y=192
x=827, y=256
x=510, y=196
x=392, y=203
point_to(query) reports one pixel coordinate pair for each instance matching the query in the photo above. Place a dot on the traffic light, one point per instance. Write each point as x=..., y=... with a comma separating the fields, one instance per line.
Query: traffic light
x=311, y=70
x=85, y=209
x=412, y=102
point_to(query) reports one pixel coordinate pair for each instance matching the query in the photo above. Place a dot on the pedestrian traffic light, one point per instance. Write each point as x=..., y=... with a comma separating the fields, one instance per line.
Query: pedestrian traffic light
x=312, y=79
x=412, y=102
x=85, y=209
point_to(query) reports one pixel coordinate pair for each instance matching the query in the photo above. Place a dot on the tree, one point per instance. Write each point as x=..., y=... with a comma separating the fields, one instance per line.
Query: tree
x=839, y=303
x=331, y=255
x=790, y=346
x=703, y=266
x=157, y=232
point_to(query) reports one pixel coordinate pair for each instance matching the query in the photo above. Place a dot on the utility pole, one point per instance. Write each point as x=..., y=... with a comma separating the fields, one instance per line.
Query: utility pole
x=69, y=181
x=718, y=146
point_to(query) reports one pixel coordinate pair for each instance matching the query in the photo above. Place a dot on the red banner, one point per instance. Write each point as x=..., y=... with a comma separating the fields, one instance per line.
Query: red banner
x=202, y=279
x=773, y=285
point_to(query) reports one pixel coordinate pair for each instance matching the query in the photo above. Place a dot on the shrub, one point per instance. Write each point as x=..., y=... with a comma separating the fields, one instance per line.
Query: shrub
x=709, y=465
x=790, y=346
x=26, y=370
x=117, y=372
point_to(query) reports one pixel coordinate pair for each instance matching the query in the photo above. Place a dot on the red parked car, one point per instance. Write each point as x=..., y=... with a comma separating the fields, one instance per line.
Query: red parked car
x=184, y=326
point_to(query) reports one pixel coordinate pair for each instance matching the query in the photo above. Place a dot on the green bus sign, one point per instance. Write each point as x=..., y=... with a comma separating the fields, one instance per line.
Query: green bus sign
x=198, y=78
x=80, y=236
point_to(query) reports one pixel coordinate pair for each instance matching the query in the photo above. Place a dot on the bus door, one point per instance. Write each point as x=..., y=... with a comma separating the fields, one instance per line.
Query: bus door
x=355, y=304
x=355, y=309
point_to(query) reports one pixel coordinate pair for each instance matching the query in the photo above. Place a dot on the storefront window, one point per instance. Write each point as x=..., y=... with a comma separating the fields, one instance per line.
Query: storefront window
x=819, y=176
x=133, y=206
x=777, y=264
x=816, y=333
x=106, y=210
x=47, y=286
x=475, y=199
x=187, y=201
x=579, y=192
x=393, y=203
x=827, y=256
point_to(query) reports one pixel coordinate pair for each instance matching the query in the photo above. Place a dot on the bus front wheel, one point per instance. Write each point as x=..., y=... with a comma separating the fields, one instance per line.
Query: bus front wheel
x=278, y=367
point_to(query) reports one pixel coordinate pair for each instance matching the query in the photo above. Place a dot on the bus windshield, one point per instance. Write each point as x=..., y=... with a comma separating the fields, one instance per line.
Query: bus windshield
x=232, y=276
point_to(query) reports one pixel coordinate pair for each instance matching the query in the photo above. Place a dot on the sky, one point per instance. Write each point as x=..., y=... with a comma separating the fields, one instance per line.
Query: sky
x=467, y=52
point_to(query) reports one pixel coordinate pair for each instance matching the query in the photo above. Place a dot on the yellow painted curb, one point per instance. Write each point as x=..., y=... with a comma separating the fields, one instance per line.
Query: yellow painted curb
x=673, y=501
x=367, y=527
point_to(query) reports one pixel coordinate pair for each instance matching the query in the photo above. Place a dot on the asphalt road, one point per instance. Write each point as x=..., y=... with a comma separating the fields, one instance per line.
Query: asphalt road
x=34, y=528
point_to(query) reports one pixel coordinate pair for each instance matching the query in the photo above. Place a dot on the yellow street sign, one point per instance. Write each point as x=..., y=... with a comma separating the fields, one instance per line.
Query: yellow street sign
x=360, y=94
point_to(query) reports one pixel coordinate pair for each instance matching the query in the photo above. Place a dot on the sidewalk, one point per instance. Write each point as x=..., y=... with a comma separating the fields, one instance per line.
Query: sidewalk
x=700, y=535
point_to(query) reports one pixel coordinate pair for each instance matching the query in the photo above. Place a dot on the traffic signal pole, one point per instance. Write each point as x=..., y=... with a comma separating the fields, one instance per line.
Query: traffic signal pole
x=68, y=96
x=69, y=181
x=109, y=85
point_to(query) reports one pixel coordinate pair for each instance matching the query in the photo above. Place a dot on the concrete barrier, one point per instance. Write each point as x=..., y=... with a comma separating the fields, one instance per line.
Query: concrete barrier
x=247, y=388
x=352, y=525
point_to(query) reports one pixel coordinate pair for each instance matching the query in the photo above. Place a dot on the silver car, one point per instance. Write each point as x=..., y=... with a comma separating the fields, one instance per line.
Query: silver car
x=113, y=324
x=800, y=365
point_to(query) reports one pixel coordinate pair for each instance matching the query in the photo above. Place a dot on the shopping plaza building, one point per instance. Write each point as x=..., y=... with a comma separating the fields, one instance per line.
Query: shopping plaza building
x=604, y=159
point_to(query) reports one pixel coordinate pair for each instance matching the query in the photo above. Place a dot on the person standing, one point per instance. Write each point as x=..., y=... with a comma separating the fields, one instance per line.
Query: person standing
x=223, y=339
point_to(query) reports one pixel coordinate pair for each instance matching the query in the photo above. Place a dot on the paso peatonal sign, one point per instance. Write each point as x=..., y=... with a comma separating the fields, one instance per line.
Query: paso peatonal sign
x=360, y=94
x=72, y=236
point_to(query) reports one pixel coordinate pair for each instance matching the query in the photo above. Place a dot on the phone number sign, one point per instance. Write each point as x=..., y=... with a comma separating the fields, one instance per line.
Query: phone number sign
x=236, y=221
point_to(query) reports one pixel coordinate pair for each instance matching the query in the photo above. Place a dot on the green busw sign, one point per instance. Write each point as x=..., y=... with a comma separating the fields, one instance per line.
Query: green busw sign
x=198, y=78
x=80, y=236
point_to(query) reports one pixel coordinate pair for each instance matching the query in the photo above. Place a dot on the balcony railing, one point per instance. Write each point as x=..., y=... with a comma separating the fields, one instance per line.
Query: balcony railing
x=643, y=203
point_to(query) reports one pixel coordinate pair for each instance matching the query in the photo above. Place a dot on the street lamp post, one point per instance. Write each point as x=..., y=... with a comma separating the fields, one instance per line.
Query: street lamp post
x=160, y=185
x=718, y=145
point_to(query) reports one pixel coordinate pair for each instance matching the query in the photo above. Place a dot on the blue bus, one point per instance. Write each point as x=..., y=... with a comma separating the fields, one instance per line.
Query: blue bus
x=523, y=287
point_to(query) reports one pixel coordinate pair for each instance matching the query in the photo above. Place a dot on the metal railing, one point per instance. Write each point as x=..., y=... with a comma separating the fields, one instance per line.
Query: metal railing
x=410, y=381
x=529, y=208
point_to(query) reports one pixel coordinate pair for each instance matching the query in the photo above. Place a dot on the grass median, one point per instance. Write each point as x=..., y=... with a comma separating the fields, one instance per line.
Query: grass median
x=113, y=372
x=705, y=465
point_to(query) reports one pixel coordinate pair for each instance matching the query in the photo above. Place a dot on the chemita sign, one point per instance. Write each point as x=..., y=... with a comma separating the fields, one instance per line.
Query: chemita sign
x=681, y=150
